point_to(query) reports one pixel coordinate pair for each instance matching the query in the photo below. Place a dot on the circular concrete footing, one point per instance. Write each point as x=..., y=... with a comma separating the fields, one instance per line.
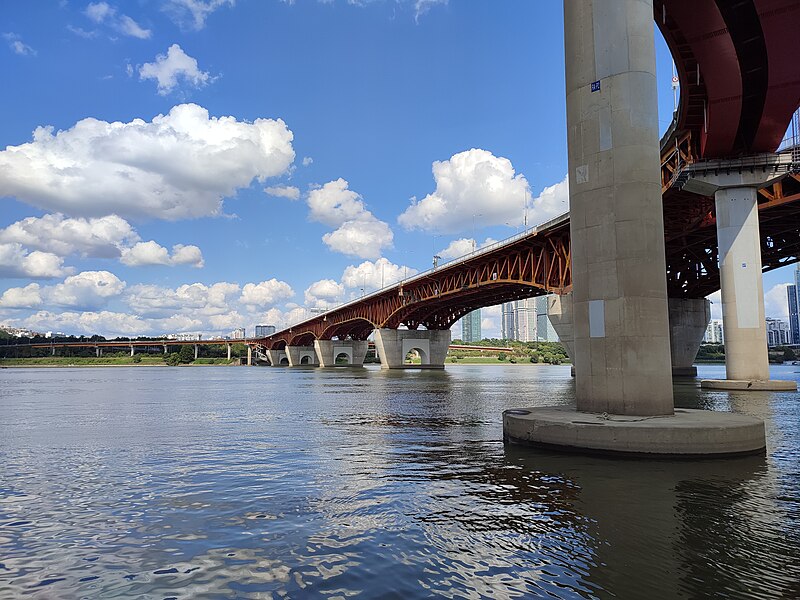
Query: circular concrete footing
x=752, y=385
x=687, y=433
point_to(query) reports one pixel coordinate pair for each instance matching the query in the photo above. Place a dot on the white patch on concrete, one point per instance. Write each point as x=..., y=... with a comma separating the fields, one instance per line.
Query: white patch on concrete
x=582, y=174
x=597, y=318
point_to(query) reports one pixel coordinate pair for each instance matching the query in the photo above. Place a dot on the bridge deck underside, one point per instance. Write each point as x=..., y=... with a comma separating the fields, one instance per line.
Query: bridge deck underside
x=739, y=79
x=691, y=236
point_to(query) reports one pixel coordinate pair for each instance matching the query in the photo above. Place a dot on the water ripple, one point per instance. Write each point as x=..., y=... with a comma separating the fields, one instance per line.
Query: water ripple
x=258, y=483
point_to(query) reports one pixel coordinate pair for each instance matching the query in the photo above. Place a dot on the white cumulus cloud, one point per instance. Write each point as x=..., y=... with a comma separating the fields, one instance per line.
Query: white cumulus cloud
x=463, y=246
x=363, y=238
x=24, y=297
x=334, y=203
x=102, y=237
x=16, y=261
x=776, y=302
x=88, y=289
x=471, y=184
x=171, y=67
x=324, y=292
x=180, y=165
x=358, y=232
x=283, y=191
x=152, y=253
x=374, y=275
x=550, y=203
x=265, y=293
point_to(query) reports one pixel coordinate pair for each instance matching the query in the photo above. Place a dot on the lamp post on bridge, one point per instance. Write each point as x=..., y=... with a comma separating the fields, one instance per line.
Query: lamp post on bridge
x=474, y=241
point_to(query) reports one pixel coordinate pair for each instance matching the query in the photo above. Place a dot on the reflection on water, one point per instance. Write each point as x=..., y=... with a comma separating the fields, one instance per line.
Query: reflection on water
x=258, y=483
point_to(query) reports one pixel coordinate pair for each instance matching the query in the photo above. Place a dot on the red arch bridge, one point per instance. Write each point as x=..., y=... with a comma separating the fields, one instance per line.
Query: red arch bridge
x=740, y=90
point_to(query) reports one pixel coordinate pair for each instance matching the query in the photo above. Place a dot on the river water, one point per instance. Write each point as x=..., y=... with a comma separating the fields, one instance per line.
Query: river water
x=309, y=483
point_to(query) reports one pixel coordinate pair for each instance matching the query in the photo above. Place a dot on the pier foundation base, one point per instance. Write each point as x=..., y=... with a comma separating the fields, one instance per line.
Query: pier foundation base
x=750, y=385
x=686, y=434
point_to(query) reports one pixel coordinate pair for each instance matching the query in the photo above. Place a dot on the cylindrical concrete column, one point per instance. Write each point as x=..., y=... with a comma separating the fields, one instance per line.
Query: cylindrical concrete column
x=742, y=287
x=195, y=352
x=249, y=355
x=559, y=311
x=622, y=352
x=133, y=350
x=229, y=351
x=688, y=320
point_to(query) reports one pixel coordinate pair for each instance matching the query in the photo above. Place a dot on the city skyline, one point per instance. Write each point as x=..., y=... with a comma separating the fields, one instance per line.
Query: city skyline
x=222, y=178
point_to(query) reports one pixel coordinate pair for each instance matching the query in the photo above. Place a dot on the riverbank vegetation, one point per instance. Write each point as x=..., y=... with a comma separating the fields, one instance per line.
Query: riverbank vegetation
x=715, y=353
x=551, y=353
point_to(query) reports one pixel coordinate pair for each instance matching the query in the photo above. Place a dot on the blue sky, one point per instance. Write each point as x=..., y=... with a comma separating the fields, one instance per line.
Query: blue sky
x=382, y=130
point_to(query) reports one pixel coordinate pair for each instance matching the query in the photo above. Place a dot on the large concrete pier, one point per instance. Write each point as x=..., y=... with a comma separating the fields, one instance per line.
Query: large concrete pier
x=622, y=351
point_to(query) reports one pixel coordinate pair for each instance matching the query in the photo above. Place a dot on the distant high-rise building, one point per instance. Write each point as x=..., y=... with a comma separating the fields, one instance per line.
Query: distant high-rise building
x=471, y=326
x=264, y=330
x=794, y=321
x=777, y=332
x=545, y=332
x=715, y=333
x=508, y=321
x=518, y=320
x=238, y=334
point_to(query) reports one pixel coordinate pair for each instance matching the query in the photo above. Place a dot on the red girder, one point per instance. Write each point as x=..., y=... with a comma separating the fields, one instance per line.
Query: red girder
x=531, y=265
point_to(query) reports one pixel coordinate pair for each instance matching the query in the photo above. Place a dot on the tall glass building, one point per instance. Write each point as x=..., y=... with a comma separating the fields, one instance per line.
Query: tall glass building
x=794, y=323
x=471, y=327
x=518, y=320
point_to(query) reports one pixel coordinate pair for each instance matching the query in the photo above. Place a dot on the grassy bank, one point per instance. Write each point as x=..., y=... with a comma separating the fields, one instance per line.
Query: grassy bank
x=114, y=361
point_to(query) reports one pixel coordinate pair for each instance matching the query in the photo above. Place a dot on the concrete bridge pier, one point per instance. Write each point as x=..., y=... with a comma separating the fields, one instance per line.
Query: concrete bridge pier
x=229, y=351
x=98, y=351
x=133, y=350
x=741, y=281
x=301, y=356
x=688, y=320
x=393, y=345
x=559, y=311
x=195, y=351
x=53, y=351
x=165, y=348
x=353, y=351
x=623, y=383
x=278, y=358
x=249, y=355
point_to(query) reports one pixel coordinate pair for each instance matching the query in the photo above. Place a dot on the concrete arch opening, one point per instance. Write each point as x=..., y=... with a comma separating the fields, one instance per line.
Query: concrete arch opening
x=284, y=361
x=416, y=356
x=343, y=358
x=306, y=360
